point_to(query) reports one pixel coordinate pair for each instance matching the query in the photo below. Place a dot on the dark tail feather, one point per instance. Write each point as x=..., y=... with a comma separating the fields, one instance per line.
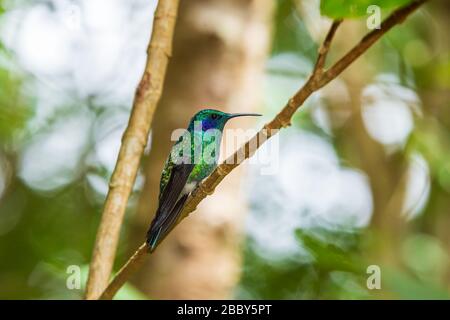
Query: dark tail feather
x=152, y=238
x=159, y=229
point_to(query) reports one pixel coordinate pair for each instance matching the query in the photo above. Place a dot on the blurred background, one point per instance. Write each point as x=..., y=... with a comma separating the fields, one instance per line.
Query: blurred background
x=361, y=178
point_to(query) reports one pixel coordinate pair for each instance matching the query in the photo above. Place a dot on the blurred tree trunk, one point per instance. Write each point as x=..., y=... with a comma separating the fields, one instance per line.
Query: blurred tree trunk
x=386, y=172
x=220, y=48
x=388, y=181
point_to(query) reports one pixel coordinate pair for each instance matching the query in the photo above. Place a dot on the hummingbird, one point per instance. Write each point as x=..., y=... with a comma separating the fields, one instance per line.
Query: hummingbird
x=192, y=159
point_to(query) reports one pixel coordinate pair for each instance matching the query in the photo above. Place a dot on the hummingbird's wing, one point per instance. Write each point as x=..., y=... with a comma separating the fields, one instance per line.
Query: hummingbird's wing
x=171, y=202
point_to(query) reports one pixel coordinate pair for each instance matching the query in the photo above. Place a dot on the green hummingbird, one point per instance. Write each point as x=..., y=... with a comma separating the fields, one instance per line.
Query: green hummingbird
x=193, y=158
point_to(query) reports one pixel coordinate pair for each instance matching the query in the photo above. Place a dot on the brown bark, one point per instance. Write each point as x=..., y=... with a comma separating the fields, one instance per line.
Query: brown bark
x=220, y=48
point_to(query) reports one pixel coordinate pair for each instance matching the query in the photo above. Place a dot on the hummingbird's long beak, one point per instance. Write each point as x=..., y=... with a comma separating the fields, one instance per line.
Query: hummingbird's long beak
x=234, y=115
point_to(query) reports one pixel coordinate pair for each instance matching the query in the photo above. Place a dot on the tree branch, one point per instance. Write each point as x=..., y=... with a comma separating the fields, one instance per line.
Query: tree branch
x=316, y=81
x=134, y=140
x=130, y=267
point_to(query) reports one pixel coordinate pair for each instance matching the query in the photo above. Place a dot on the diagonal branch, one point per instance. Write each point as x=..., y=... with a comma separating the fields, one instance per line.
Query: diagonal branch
x=133, y=143
x=130, y=267
x=316, y=81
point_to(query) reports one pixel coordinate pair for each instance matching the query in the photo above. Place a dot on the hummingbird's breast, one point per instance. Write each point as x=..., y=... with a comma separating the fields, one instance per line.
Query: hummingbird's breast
x=201, y=171
x=206, y=147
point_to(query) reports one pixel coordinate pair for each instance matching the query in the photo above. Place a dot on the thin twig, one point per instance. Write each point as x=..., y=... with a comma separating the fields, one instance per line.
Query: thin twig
x=317, y=80
x=325, y=47
x=134, y=140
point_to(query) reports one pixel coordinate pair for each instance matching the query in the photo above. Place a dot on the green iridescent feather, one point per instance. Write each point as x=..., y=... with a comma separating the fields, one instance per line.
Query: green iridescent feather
x=193, y=157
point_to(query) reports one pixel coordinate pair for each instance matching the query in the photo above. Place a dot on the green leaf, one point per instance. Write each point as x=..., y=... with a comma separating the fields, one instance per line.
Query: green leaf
x=355, y=8
x=328, y=256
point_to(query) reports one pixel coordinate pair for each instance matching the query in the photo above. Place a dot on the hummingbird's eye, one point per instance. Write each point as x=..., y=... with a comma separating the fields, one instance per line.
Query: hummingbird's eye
x=214, y=116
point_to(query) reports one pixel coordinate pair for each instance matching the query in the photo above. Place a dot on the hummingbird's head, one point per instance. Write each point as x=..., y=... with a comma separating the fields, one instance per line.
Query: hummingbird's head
x=215, y=119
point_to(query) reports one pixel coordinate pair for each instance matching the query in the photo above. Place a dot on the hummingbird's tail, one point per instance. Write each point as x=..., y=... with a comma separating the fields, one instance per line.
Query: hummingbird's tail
x=163, y=224
x=152, y=238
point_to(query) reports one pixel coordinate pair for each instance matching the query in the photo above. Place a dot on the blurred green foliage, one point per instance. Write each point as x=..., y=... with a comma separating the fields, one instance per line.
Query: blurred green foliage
x=325, y=270
x=355, y=8
x=14, y=110
x=290, y=33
